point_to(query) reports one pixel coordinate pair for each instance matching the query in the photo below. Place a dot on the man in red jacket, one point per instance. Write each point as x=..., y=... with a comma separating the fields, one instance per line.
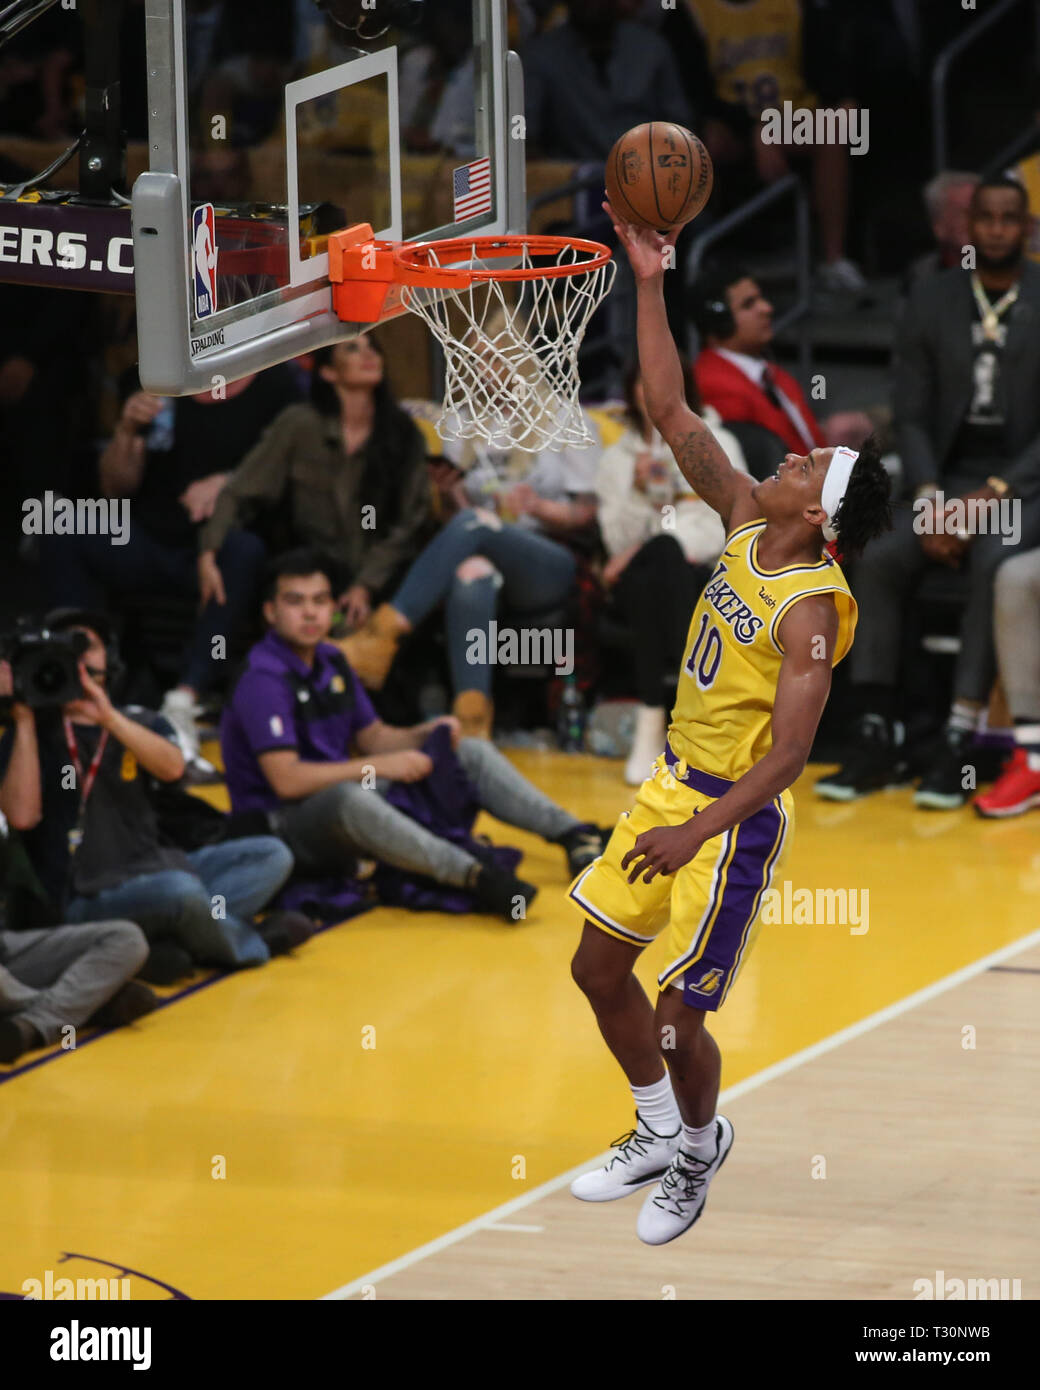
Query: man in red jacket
x=735, y=323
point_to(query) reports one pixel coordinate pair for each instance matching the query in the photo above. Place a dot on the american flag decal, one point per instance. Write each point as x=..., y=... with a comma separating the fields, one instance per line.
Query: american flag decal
x=472, y=185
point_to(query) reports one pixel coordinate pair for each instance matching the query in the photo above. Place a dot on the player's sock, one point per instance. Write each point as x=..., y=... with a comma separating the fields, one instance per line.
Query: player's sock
x=657, y=1107
x=699, y=1142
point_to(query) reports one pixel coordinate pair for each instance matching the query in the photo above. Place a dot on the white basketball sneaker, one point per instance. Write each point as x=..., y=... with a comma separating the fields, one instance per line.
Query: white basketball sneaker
x=642, y=1158
x=678, y=1200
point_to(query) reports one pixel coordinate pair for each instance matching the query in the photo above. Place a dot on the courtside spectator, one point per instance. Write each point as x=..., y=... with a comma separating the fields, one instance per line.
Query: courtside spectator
x=170, y=458
x=662, y=541
x=345, y=472
x=52, y=978
x=77, y=783
x=301, y=739
x=1016, y=622
x=761, y=403
x=948, y=200
x=967, y=420
x=590, y=79
x=513, y=541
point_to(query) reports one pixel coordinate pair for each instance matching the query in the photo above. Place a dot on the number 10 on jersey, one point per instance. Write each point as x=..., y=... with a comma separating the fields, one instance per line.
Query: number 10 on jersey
x=703, y=663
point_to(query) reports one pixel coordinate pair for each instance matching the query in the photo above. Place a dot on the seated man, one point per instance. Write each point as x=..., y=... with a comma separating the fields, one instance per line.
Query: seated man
x=735, y=323
x=54, y=977
x=1016, y=626
x=301, y=738
x=77, y=782
x=967, y=417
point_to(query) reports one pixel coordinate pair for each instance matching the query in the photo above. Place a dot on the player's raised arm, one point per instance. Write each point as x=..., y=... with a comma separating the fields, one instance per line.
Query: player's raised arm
x=698, y=453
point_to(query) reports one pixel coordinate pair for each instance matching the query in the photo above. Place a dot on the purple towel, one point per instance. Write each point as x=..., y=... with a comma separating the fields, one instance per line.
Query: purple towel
x=446, y=804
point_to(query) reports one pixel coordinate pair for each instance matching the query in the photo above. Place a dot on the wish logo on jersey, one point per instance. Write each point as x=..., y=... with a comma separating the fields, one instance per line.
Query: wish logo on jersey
x=204, y=259
x=731, y=607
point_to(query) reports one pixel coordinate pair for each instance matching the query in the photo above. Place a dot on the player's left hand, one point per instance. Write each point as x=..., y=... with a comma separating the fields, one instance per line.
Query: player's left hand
x=663, y=850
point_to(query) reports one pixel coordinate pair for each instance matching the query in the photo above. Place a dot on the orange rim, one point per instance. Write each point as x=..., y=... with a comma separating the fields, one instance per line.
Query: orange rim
x=414, y=261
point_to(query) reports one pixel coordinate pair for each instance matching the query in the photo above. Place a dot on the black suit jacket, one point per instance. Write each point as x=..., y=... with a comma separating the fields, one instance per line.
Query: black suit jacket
x=933, y=378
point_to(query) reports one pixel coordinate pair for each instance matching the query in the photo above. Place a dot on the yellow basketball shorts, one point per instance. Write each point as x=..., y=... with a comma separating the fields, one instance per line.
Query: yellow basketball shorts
x=712, y=905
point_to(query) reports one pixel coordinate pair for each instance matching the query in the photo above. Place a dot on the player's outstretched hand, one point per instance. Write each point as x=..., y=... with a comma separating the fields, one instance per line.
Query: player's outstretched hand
x=663, y=850
x=647, y=251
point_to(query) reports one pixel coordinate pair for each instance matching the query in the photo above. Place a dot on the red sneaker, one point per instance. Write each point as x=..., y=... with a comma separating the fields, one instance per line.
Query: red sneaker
x=1016, y=790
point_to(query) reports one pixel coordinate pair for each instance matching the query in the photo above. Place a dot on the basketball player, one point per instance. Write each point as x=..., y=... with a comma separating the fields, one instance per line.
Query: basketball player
x=709, y=825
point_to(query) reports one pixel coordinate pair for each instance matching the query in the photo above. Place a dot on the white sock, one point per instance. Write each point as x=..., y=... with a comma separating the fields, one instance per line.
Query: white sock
x=964, y=717
x=1027, y=736
x=657, y=1107
x=699, y=1142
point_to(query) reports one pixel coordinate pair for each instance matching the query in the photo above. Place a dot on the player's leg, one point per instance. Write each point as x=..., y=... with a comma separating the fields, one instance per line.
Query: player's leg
x=695, y=1065
x=621, y=920
x=693, y=1058
x=602, y=970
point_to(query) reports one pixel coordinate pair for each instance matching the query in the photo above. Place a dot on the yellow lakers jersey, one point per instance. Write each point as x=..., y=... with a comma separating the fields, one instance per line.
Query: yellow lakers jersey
x=755, y=51
x=727, y=683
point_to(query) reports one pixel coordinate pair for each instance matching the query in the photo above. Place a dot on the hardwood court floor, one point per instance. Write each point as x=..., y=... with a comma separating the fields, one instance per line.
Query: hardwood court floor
x=488, y=1080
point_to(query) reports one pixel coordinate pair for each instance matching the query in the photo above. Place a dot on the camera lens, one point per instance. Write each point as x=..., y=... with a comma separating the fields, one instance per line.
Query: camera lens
x=50, y=677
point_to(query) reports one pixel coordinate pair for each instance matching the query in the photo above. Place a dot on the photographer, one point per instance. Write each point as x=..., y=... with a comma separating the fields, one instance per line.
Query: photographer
x=78, y=781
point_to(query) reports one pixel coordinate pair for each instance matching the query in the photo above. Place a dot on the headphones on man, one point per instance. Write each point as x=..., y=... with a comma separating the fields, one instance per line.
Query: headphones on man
x=709, y=307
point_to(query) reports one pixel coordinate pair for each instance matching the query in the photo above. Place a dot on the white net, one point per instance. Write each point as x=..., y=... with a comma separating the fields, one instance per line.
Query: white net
x=511, y=350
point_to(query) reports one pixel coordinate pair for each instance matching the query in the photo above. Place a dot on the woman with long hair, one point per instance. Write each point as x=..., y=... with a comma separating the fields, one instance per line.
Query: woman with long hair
x=345, y=473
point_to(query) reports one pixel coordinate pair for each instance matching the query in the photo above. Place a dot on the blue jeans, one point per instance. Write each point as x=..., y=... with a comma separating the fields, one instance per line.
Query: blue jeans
x=84, y=571
x=534, y=573
x=207, y=911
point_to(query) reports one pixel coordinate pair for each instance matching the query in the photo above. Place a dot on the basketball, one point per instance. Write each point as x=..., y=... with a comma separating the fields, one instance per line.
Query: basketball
x=659, y=175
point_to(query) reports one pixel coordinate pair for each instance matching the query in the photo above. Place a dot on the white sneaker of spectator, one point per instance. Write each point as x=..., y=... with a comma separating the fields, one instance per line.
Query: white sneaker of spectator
x=841, y=277
x=648, y=743
x=180, y=709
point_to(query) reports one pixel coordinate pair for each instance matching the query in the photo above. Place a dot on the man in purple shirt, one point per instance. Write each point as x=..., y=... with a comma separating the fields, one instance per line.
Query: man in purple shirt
x=301, y=739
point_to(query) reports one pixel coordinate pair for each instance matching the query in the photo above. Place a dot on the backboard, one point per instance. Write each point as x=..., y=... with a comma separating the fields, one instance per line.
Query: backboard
x=272, y=125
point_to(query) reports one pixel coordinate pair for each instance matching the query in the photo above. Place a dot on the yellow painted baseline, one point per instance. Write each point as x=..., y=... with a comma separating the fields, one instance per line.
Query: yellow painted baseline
x=339, y=1158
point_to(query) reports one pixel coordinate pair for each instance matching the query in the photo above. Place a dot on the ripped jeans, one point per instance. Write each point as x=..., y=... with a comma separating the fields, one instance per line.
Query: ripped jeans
x=531, y=573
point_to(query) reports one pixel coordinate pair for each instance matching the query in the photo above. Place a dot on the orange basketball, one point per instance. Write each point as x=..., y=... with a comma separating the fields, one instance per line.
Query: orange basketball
x=659, y=175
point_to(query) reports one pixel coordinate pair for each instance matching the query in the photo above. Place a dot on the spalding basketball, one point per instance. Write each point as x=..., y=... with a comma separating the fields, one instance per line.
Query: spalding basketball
x=659, y=175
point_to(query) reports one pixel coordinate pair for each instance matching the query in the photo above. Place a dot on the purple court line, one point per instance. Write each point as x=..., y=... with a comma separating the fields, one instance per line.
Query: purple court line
x=215, y=978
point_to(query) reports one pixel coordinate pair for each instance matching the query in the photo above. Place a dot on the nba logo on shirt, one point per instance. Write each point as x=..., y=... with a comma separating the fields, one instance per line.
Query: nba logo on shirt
x=204, y=259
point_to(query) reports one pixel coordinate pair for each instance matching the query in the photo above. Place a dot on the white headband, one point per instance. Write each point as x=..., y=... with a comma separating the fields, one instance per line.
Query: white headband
x=835, y=486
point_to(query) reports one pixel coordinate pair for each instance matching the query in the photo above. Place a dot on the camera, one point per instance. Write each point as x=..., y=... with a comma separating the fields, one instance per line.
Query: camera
x=44, y=664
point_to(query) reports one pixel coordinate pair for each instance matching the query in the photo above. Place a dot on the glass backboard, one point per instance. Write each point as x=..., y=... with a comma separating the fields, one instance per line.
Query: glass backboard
x=274, y=124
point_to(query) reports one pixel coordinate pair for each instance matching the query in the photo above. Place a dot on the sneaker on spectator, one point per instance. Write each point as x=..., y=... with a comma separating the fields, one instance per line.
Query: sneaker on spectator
x=942, y=786
x=841, y=277
x=1015, y=791
x=284, y=930
x=582, y=845
x=877, y=760
x=180, y=709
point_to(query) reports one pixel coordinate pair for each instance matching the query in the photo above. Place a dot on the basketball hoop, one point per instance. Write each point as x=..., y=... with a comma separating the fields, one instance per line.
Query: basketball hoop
x=510, y=333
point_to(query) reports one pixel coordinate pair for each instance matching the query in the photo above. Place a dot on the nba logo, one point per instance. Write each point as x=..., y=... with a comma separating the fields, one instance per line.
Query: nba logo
x=204, y=259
